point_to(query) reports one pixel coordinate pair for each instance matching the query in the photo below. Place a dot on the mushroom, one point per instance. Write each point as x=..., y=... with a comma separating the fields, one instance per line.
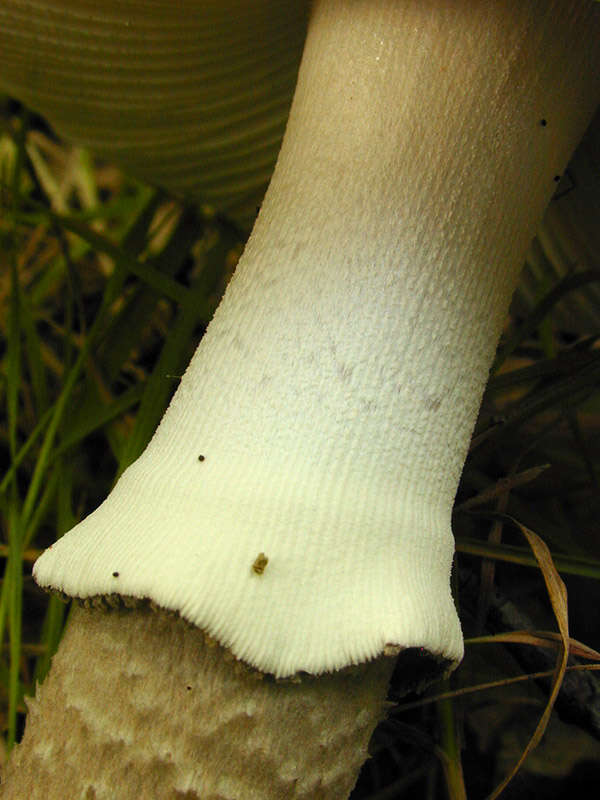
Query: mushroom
x=332, y=397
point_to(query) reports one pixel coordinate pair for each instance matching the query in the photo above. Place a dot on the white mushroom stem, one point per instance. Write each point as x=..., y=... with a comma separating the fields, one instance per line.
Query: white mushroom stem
x=335, y=391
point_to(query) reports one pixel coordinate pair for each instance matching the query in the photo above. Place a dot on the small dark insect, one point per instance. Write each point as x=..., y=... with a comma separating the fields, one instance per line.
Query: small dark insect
x=260, y=562
x=115, y=574
x=556, y=178
x=189, y=688
x=200, y=458
x=543, y=123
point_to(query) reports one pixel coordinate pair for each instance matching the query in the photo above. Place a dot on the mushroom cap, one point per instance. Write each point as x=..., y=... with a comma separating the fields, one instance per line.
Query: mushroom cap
x=191, y=95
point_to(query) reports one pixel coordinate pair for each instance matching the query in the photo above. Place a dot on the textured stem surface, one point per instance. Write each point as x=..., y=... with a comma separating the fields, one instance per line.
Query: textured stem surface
x=139, y=706
x=332, y=401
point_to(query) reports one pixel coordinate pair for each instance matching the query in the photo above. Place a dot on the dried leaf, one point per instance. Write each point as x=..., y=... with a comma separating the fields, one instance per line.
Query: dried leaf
x=557, y=593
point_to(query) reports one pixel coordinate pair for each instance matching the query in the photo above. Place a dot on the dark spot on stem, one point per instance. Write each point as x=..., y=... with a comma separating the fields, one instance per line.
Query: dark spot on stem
x=115, y=574
x=260, y=563
x=543, y=123
x=200, y=458
x=556, y=178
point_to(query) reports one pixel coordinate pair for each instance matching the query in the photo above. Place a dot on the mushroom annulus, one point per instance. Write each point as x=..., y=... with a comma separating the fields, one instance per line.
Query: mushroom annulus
x=332, y=399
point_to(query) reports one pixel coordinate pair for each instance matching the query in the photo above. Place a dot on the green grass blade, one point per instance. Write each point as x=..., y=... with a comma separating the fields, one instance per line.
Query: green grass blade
x=569, y=564
x=540, y=312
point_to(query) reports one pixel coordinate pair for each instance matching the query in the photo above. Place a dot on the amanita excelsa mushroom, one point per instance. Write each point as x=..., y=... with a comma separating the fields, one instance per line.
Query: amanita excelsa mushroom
x=332, y=400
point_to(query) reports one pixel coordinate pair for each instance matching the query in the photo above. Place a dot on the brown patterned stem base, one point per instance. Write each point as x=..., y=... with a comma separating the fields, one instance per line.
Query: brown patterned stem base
x=139, y=704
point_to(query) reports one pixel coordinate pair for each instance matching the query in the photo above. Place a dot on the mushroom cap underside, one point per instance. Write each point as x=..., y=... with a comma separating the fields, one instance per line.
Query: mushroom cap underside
x=191, y=96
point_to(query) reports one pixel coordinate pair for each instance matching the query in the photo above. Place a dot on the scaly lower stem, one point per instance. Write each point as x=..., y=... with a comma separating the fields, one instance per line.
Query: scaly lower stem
x=140, y=705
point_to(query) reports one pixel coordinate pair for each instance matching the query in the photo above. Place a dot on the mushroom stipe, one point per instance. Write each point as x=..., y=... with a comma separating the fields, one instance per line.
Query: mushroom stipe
x=337, y=385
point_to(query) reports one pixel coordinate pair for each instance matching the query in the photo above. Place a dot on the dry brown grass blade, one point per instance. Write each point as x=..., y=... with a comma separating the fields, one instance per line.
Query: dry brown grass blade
x=538, y=639
x=557, y=593
x=502, y=486
x=482, y=687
